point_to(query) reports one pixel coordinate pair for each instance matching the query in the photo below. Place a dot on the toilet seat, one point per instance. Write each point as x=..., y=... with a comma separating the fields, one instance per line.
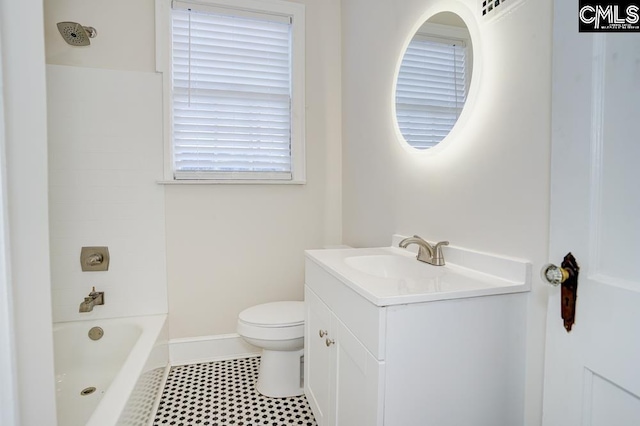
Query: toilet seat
x=273, y=321
x=275, y=314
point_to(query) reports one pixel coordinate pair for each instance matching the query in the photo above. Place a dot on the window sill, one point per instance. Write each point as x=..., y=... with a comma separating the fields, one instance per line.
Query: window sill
x=231, y=182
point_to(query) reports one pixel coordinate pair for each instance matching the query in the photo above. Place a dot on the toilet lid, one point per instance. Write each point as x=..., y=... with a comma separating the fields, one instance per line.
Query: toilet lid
x=275, y=314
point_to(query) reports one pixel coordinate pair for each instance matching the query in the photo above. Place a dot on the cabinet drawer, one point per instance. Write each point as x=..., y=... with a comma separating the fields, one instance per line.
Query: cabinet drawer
x=365, y=320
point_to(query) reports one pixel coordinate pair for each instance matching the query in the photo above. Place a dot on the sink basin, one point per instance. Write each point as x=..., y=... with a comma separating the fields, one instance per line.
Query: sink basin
x=393, y=266
x=388, y=276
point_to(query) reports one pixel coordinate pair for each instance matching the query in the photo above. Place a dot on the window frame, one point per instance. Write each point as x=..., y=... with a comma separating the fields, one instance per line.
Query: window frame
x=295, y=11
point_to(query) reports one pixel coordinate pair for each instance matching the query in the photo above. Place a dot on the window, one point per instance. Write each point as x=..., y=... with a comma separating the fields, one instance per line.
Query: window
x=431, y=89
x=237, y=92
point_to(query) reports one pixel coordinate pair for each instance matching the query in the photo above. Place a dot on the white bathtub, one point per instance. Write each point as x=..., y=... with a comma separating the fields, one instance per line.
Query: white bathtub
x=126, y=366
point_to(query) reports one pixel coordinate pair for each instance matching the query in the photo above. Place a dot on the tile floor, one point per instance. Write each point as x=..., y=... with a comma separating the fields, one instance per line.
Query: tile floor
x=222, y=394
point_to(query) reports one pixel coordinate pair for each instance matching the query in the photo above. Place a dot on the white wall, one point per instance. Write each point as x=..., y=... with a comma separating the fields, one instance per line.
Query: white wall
x=9, y=384
x=230, y=247
x=105, y=157
x=488, y=189
x=23, y=87
x=125, y=40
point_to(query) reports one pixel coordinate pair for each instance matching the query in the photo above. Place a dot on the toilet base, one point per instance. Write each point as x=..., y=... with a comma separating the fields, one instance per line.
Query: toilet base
x=280, y=374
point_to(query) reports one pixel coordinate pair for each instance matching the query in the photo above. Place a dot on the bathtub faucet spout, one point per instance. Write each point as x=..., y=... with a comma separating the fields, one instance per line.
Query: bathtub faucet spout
x=94, y=298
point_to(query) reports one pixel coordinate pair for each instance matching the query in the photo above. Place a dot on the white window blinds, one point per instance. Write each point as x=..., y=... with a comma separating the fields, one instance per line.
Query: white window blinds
x=431, y=89
x=231, y=95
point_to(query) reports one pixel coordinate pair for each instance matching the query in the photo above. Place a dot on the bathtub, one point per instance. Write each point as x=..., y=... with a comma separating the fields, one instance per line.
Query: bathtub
x=127, y=367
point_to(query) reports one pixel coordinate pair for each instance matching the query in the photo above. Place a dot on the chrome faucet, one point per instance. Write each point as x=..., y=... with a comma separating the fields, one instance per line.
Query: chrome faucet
x=94, y=298
x=426, y=252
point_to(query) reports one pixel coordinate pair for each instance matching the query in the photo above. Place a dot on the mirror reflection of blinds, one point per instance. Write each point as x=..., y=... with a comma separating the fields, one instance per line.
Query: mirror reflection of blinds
x=431, y=90
x=231, y=96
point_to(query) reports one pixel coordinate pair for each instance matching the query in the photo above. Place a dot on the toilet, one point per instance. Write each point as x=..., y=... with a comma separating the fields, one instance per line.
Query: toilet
x=277, y=328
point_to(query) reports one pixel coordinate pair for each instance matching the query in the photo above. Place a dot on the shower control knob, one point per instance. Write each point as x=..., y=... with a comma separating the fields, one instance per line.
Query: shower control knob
x=329, y=342
x=323, y=333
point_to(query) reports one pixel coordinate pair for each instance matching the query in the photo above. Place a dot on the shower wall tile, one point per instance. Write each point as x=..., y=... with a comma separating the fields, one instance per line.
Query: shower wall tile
x=105, y=157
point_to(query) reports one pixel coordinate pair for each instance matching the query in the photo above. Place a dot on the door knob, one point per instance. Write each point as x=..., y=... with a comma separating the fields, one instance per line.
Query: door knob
x=329, y=342
x=554, y=275
x=322, y=333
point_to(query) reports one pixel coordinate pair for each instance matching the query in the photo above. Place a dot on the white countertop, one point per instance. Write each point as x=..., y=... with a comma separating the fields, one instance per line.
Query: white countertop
x=475, y=274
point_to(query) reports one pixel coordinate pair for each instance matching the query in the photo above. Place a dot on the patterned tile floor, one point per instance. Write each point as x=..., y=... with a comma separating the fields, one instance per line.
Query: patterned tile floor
x=222, y=394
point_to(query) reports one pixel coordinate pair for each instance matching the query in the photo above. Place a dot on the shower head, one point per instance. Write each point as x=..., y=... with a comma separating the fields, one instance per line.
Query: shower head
x=75, y=34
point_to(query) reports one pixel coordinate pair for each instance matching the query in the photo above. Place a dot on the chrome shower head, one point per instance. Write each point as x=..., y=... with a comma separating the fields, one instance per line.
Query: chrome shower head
x=75, y=34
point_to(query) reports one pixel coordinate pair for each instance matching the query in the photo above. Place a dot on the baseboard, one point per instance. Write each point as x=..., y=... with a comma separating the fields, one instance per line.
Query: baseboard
x=194, y=350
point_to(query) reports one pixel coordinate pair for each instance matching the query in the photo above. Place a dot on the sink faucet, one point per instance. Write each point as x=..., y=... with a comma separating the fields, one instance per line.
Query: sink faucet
x=426, y=252
x=94, y=298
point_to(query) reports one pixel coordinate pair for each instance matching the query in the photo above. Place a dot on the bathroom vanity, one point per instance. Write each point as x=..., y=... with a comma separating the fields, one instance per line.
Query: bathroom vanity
x=396, y=342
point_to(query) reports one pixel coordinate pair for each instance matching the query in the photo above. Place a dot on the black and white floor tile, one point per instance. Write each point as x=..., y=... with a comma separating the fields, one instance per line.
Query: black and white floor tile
x=223, y=394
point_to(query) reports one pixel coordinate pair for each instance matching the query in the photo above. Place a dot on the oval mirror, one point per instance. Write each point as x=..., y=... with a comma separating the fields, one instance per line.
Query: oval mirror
x=433, y=80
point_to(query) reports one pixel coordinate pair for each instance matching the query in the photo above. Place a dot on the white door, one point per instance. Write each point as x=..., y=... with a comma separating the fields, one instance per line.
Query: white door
x=319, y=362
x=358, y=382
x=592, y=374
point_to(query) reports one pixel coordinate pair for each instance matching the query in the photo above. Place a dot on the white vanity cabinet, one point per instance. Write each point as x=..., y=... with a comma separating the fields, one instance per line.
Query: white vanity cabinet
x=445, y=361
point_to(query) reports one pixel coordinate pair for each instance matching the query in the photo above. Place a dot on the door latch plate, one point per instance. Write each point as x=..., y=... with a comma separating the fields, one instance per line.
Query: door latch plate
x=569, y=291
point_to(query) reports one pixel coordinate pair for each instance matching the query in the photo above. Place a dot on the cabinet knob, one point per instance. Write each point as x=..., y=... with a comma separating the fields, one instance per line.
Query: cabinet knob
x=329, y=342
x=323, y=333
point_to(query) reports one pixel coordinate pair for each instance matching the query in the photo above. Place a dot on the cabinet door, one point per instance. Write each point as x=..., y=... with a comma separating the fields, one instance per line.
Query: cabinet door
x=318, y=357
x=359, y=382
